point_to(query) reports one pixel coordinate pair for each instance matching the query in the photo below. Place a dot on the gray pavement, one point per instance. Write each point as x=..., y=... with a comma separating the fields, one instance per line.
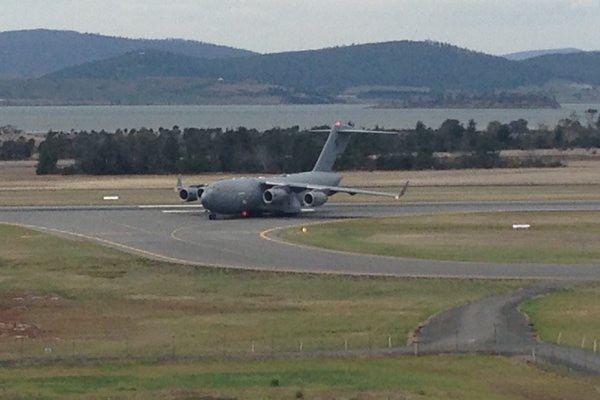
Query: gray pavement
x=187, y=236
x=490, y=322
x=494, y=325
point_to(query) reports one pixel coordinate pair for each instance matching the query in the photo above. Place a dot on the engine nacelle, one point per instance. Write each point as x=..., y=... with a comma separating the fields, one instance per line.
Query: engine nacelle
x=314, y=199
x=274, y=195
x=190, y=193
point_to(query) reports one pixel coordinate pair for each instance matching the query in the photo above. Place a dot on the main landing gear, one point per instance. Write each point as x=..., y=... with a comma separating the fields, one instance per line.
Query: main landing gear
x=243, y=214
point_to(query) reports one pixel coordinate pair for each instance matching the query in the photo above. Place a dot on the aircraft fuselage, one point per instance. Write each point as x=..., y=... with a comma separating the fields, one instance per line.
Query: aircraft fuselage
x=283, y=194
x=250, y=196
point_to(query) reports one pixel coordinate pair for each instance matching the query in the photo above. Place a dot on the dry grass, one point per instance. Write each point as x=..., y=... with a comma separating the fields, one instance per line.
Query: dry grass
x=579, y=173
x=579, y=181
x=22, y=175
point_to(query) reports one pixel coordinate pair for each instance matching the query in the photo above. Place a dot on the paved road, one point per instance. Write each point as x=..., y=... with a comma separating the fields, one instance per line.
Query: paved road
x=187, y=236
x=489, y=322
x=495, y=325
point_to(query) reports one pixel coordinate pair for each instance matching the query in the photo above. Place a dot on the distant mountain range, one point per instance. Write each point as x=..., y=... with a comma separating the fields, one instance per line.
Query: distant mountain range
x=34, y=53
x=405, y=63
x=525, y=55
x=57, y=67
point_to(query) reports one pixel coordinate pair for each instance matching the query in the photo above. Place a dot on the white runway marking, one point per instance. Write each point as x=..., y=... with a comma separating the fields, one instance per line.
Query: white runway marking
x=179, y=206
x=183, y=211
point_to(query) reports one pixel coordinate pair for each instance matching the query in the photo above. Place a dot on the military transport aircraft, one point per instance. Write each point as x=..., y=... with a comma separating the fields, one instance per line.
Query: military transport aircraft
x=283, y=194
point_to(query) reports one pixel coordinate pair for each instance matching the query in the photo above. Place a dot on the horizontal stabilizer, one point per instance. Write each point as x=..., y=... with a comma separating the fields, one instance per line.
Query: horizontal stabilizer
x=354, y=130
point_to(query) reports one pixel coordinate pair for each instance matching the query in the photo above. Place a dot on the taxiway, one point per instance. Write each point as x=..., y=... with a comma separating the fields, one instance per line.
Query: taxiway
x=185, y=235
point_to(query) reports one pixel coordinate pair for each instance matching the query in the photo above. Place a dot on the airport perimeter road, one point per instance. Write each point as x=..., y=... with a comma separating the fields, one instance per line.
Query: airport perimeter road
x=186, y=235
x=494, y=325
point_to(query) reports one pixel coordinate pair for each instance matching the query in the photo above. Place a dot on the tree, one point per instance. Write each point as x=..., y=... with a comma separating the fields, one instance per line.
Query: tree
x=169, y=150
x=425, y=142
x=590, y=113
x=48, y=155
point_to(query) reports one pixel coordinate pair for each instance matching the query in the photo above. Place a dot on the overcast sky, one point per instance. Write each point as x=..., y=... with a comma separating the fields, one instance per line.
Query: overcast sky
x=491, y=26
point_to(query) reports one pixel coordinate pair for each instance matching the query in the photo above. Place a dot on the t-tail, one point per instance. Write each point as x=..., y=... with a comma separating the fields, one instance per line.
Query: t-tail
x=337, y=141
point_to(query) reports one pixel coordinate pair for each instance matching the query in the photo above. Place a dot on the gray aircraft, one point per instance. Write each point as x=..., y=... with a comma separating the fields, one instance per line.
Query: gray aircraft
x=284, y=194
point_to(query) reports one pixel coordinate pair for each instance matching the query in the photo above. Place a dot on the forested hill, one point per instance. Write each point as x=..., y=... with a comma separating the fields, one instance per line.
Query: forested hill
x=526, y=55
x=582, y=67
x=33, y=53
x=398, y=73
x=402, y=63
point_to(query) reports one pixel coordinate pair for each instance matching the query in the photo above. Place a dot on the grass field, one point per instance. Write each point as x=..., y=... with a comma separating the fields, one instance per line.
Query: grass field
x=571, y=316
x=579, y=181
x=78, y=298
x=40, y=197
x=61, y=298
x=554, y=237
x=431, y=377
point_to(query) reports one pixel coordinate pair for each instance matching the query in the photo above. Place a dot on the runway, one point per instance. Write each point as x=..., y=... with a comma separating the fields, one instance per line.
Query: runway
x=185, y=235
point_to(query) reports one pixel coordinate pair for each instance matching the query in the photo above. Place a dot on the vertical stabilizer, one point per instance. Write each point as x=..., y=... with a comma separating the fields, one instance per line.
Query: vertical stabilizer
x=336, y=143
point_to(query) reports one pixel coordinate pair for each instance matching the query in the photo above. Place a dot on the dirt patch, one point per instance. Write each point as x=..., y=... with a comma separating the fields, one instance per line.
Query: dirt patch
x=14, y=306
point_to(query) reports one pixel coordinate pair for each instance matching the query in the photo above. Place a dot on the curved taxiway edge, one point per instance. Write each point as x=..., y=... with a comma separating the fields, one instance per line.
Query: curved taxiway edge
x=187, y=236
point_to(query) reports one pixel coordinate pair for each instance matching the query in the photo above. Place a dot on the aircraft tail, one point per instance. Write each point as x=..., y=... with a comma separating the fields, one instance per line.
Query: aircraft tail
x=337, y=141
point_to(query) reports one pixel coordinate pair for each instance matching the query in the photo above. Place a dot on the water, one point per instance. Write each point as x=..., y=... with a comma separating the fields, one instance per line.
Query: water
x=110, y=118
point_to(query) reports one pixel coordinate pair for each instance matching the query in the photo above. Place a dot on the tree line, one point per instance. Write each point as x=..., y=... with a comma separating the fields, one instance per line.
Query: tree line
x=277, y=150
x=15, y=149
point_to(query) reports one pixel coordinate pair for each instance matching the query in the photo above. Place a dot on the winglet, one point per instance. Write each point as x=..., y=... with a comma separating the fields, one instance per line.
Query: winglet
x=403, y=191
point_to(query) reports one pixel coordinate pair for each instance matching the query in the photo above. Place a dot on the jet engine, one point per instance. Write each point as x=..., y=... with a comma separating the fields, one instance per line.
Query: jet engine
x=314, y=199
x=190, y=193
x=274, y=195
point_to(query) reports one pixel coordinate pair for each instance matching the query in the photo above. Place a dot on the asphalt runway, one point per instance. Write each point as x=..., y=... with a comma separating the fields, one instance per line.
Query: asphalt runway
x=185, y=235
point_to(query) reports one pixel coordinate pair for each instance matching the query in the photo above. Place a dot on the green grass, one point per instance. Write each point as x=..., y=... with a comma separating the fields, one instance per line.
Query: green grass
x=554, y=237
x=432, y=377
x=571, y=316
x=45, y=196
x=79, y=298
x=84, y=299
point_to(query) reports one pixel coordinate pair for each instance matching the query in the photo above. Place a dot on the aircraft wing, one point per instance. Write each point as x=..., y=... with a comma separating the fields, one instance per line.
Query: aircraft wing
x=336, y=189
